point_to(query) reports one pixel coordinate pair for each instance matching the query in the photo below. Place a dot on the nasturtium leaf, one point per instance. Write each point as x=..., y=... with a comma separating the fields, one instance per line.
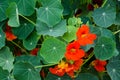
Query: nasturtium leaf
x=52, y=50
x=113, y=69
x=104, y=17
x=25, y=71
x=4, y=74
x=24, y=30
x=34, y=60
x=31, y=41
x=57, y=30
x=50, y=12
x=25, y=7
x=6, y=59
x=54, y=77
x=70, y=34
x=12, y=13
x=86, y=76
x=104, y=48
x=3, y=7
x=2, y=38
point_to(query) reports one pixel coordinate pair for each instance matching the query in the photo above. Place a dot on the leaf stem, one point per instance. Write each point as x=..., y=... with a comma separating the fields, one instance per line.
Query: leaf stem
x=28, y=19
x=20, y=47
x=45, y=65
x=116, y=32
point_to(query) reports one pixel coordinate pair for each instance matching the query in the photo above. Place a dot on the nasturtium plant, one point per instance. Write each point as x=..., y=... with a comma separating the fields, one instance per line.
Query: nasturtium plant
x=59, y=39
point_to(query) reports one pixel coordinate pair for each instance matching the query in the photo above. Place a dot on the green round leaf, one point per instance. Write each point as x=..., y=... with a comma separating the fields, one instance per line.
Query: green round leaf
x=24, y=30
x=31, y=42
x=86, y=76
x=4, y=74
x=52, y=50
x=104, y=17
x=54, y=77
x=2, y=38
x=25, y=71
x=3, y=7
x=57, y=30
x=6, y=59
x=50, y=12
x=12, y=13
x=70, y=34
x=113, y=69
x=25, y=7
x=104, y=48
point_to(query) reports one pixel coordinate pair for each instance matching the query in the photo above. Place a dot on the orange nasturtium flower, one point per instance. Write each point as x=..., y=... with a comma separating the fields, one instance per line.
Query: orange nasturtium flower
x=73, y=52
x=9, y=35
x=84, y=36
x=99, y=65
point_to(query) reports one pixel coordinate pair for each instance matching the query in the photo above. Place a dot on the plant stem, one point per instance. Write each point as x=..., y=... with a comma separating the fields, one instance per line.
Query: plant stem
x=28, y=19
x=20, y=47
x=90, y=56
x=45, y=65
x=104, y=3
x=116, y=32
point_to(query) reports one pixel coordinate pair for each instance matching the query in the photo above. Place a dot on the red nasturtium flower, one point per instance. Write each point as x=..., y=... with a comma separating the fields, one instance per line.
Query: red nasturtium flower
x=99, y=65
x=65, y=67
x=84, y=36
x=73, y=52
x=34, y=51
x=9, y=35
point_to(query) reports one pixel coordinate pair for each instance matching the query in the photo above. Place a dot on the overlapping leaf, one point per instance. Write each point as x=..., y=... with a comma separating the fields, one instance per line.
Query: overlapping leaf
x=70, y=34
x=34, y=60
x=50, y=12
x=24, y=30
x=52, y=50
x=25, y=71
x=57, y=30
x=31, y=42
x=12, y=13
x=2, y=38
x=6, y=59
